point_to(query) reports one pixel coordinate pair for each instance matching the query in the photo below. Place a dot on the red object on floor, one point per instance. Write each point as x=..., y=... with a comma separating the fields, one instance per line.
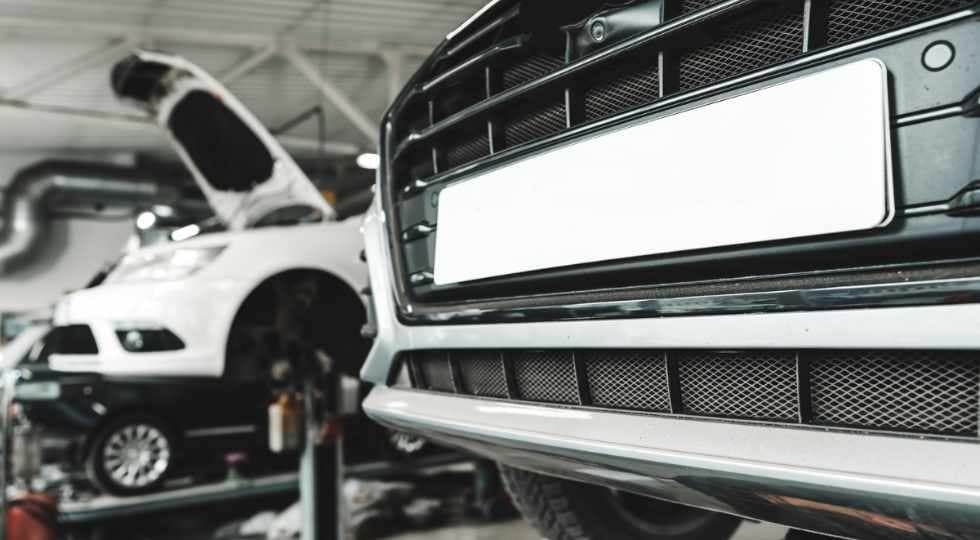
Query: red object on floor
x=32, y=517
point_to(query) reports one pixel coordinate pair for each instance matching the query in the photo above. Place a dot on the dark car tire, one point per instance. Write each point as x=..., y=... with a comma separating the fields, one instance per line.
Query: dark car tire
x=565, y=510
x=147, y=432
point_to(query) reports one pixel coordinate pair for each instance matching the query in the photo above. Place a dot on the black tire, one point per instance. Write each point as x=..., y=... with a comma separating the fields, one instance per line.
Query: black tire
x=565, y=510
x=159, y=444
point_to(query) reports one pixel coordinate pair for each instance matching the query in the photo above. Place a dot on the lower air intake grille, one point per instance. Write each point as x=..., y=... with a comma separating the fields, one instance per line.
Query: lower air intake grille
x=903, y=391
x=483, y=375
x=628, y=380
x=547, y=376
x=742, y=385
x=917, y=392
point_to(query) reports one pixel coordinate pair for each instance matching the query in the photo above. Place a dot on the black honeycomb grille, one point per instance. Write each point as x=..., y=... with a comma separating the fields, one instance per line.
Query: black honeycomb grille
x=527, y=124
x=636, y=380
x=904, y=391
x=547, y=376
x=528, y=69
x=690, y=6
x=735, y=40
x=483, y=375
x=925, y=393
x=853, y=19
x=467, y=148
x=760, y=385
x=623, y=91
x=745, y=45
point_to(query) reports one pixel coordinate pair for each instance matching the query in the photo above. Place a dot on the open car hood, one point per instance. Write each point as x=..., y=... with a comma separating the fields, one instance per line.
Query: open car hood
x=241, y=168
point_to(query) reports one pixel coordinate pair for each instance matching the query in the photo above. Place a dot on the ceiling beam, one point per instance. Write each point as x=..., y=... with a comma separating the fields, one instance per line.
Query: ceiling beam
x=46, y=79
x=72, y=30
x=247, y=65
x=395, y=64
x=367, y=127
x=337, y=148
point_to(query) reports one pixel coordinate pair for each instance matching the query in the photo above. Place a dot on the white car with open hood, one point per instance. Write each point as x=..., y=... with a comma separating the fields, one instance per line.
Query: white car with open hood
x=282, y=276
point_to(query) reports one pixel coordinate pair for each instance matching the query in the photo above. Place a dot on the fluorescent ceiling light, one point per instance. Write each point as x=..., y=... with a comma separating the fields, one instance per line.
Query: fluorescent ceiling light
x=146, y=220
x=368, y=161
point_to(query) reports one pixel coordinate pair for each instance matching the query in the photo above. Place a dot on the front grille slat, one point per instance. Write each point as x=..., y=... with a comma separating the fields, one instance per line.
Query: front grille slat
x=926, y=393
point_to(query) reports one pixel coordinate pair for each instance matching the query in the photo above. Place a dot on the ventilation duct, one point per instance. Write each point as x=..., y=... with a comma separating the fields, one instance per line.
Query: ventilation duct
x=23, y=214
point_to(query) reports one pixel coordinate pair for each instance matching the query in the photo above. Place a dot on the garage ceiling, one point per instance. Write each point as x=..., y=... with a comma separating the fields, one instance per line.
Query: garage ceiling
x=55, y=57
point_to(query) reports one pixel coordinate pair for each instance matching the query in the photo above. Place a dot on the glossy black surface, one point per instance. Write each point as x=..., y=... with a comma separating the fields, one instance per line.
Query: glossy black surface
x=934, y=145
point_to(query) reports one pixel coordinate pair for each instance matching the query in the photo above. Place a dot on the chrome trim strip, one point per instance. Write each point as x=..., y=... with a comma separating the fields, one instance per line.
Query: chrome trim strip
x=912, y=211
x=472, y=19
x=916, y=293
x=931, y=114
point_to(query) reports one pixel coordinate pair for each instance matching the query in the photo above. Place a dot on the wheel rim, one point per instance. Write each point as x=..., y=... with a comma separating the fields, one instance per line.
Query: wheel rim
x=654, y=516
x=136, y=456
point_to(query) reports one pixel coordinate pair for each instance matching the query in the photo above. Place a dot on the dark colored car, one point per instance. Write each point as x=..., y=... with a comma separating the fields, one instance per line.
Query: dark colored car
x=130, y=435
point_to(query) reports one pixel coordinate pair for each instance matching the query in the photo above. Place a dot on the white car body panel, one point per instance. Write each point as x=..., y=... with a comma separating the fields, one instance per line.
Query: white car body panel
x=200, y=308
x=288, y=183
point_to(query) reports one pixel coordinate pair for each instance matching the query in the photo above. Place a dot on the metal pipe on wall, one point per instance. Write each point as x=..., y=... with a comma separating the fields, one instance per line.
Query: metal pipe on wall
x=23, y=219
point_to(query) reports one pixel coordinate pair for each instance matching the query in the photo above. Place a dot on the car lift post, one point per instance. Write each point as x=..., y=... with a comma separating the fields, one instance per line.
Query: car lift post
x=322, y=461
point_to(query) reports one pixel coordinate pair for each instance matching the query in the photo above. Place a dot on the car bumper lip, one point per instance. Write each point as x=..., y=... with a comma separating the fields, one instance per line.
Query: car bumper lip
x=198, y=311
x=839, y=483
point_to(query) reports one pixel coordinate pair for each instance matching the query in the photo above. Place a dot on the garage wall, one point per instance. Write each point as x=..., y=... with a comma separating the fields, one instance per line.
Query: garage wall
x=74, y=250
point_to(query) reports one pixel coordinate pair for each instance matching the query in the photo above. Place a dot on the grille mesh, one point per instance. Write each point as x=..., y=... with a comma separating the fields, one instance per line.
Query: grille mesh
x=629, y=380
x=436, y=372
x=624, y=91
x=852, y=19
x=483, y=375
x=547, y=376
x=467, y=148
x=918, y=392
x=529, y=124
x=760, y=385
x=745, y=45
x=528, y=69
x=702, y=53
x=906, y=391
x=689, y=6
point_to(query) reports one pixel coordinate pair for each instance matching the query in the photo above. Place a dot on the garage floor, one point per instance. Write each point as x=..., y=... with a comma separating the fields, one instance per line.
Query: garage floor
x=519, y=530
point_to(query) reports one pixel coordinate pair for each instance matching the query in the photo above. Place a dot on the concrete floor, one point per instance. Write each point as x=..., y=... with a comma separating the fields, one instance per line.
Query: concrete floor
x=519, y=530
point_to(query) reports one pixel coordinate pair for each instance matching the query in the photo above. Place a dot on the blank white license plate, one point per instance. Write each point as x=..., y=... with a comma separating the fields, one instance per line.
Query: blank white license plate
x=806, y=157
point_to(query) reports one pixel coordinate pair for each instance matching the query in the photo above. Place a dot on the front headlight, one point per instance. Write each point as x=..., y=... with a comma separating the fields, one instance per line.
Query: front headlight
x=163, y=266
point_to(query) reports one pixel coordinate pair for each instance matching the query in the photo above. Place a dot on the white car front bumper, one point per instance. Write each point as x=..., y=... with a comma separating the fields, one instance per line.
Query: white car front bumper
x=199, y=311
x=866, y=485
